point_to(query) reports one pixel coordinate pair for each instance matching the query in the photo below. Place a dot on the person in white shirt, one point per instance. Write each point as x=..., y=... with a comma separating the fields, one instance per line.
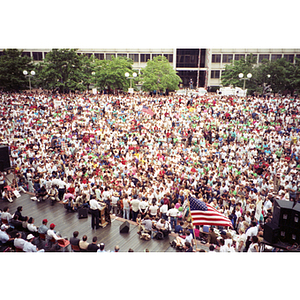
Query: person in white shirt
x=153, y=208
x=31, y=227
x=172, y=214
x=95, y=208
x=18, y=241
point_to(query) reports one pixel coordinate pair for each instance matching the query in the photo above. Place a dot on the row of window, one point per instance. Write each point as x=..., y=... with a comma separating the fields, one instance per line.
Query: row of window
x=227, y=58
x=142, y=57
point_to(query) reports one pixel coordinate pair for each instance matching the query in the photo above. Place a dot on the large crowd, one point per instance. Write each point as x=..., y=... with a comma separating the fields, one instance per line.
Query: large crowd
x=238, y=154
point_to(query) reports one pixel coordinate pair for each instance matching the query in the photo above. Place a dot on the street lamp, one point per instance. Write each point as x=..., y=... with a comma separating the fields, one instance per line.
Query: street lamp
x=94, y=88
x=130, y=90
x=241, y=76
x=32, y=73
x=266, y=86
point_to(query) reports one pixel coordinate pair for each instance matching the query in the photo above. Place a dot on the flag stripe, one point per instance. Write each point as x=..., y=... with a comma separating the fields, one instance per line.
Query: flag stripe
x=204, y=214
x=147, y=110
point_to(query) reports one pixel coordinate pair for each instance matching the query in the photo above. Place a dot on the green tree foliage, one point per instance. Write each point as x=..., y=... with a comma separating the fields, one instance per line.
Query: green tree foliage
x=283, y=76
x=62, y=69
x=159, y=75
x=230, y=76
x=111, y=73
x=12, y=65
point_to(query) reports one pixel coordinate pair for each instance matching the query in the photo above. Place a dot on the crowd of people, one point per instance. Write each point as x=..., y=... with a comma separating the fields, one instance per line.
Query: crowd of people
x=139, y=154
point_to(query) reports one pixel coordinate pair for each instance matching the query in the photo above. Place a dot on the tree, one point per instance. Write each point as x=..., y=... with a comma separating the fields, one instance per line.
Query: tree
x=295, y=76
x=230, y=76
x=281, y=73
x=159, y=75
x=110, y=74
x=12, y=65
x=62, y=70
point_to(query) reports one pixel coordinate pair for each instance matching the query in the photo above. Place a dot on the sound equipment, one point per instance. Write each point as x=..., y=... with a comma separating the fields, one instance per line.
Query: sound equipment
x=82, y=213
x=271, y=233
x=124, y=228
x=289, y=235
x=295, y=217
x=4, y=158
x=282, y=213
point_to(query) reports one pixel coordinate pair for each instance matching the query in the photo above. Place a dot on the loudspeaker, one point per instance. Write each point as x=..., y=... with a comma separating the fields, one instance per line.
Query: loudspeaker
x=289, y=235
x=295, y=217
x=82, y=213
x=282, y=213
x=124, y=228
x=271, y=233
x=4, y=158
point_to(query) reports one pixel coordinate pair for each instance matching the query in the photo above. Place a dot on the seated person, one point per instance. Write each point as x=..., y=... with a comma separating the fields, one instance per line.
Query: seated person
x=31, y=227
x=212, y=237
x=75, y=240
x=179, y=227
x=180, y=241
x=187, y=247
x=19, y=213
x=16, y=224
x=7, y=194
x=41, y=194
x=163, y=226
x=5, y=238
x=145, y=225
x=83, y=244
x=5, y=215
x=19, y=242
x=53, y=194
x=70, y=205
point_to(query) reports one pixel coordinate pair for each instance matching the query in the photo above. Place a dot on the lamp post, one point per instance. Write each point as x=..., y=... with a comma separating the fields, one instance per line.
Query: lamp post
x=130, y=90
x=241, y=76
x=266, y=86
x=94, y=88
x=32, y=73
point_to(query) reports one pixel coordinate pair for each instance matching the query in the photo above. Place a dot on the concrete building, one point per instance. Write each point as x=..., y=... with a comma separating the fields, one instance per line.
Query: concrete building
x=201, y=65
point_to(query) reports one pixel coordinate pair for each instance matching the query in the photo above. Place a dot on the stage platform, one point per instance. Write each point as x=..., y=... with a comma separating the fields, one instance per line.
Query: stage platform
x=67, y=222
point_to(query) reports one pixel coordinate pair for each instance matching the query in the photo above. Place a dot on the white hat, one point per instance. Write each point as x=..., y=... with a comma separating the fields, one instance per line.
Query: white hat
x=30, y=236
x=3, y=227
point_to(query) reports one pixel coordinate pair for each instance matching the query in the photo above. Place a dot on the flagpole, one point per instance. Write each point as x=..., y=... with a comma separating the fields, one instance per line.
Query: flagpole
x=190, y=215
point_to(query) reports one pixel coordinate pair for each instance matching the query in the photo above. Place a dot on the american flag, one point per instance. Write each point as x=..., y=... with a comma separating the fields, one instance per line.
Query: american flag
x=204, y=214
x=147, y=110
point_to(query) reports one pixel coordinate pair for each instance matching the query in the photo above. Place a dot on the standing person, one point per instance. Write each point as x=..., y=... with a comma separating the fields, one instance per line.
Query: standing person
x=153, y=209
x=172, y=213
x=143, y=207
x=163, y=210
x=135, y=204
x=61, y=187
x=252, y=231
x=95, y=212
x=126, y=207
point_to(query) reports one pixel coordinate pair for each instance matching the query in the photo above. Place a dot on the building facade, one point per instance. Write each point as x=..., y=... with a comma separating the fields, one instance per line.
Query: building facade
x=201, y=66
